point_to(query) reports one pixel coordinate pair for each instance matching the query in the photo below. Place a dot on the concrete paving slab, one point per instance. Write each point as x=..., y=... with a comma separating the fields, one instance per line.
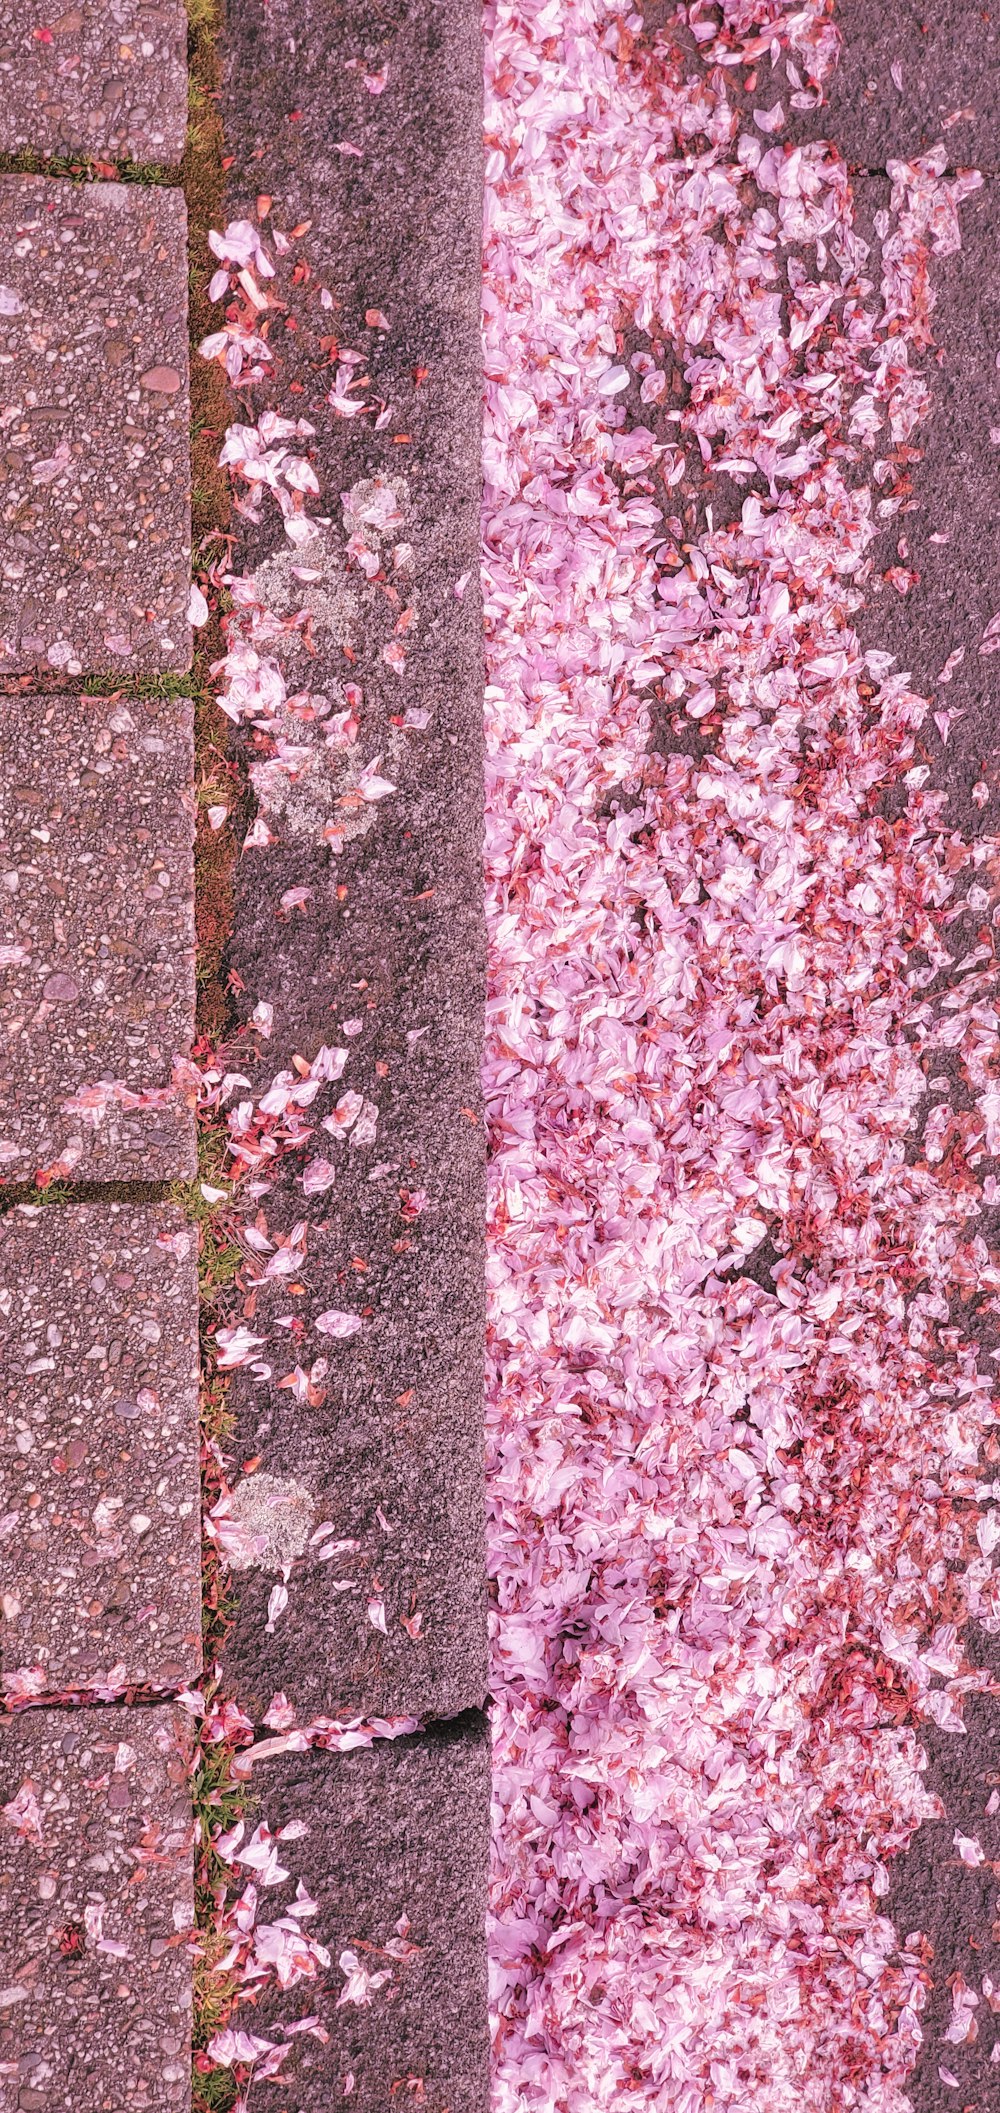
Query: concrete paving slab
x=391, y=941
x=100, y=1559
x=96, y=77
x=96, y=1899
x=395, y=1854
x=96, y=935
x=95, y=499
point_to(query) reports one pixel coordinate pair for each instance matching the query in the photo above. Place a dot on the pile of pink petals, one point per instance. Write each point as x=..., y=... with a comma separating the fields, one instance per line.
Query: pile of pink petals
x=732, y=1534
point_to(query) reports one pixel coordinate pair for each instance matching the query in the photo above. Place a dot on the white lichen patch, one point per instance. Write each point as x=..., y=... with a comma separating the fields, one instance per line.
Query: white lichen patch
x=319, y=782
x=298, y=788
x=276, y=1515
x=314, y=580
x=377, y=510
x=316, y=786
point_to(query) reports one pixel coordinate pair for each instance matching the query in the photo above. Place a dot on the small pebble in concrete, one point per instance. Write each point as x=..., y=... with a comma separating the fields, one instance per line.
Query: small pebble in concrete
x=96, y=934
x=95, y=514
x=99, y=77
x=100, y=1567
x=96, y=1893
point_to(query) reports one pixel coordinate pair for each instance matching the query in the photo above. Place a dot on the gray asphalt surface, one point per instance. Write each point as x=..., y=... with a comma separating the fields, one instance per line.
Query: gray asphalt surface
x=957, y=491
x=908, y=77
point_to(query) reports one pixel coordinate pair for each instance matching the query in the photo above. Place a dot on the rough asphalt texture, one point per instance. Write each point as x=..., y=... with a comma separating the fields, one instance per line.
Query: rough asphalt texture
x=957, y=489
x=947, y=61
x=99, y=77
x=96, y=1888
x=101, y=1562
x=387, y=958
x=396, y=1831
x=95, y=507
x=96, y=933
x=905, y=73
x=910, y=75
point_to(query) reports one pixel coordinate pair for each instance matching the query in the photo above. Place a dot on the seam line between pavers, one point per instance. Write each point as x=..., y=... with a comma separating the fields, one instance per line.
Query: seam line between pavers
x=148, y=175
x=98, y=688
x=69, y=1192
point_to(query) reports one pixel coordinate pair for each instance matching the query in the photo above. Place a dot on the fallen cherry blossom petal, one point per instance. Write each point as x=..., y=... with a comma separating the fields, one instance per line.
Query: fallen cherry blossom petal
x=338, y=1325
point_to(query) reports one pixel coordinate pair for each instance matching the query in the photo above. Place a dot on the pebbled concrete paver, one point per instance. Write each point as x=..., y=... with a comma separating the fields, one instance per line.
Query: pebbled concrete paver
x=387, y=958
x=96, y=934
x=394, y=1853
x=94, y=415
x=96, y=1900
x=100, y=1559
x=96, y=77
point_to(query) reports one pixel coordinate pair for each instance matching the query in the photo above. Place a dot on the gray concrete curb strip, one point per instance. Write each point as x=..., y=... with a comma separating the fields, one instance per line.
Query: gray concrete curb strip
x=394, y=935
x=388, y=189
x=395, y=1855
